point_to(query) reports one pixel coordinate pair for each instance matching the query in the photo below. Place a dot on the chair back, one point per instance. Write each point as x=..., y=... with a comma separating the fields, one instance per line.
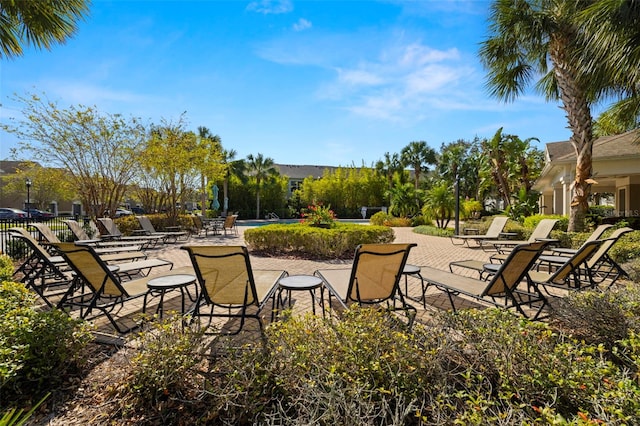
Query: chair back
x=230, y=221
x=376, y=272
x=46, y=232
x=606, y=245
x=514, y=268
x=146, y=224
x=91, y=269
x=26, y=236
x=197, y=222
x=77, y=230
x=109, y=227
x=497, y=225
x=224, y=274
x=597, y=233
x=569, y=268
x=542, y=230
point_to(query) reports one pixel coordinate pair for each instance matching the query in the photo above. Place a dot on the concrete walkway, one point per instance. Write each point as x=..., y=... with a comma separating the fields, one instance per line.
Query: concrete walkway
x=431, y=251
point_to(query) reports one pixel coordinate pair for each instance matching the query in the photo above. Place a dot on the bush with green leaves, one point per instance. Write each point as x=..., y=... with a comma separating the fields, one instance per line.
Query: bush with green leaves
x=531, y=222
x=473, y=367
x=163, y=368
x=433, y=230
x=6, y=267
x=627, y=248
x=302, y=240
x=37, y=348
x=386, y=219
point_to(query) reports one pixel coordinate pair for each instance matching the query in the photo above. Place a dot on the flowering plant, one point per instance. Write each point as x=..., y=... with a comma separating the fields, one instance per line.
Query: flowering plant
x=318, y=215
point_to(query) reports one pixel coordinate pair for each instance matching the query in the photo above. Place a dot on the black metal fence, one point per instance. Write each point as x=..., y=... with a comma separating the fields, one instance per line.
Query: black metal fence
x=56, y=224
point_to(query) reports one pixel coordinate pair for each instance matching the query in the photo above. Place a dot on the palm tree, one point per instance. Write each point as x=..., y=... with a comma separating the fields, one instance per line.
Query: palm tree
x=418, y=155
x=40, y=23
x=260, y=168
x=612, y=57
x=233, y=168
x=389, y=167
x=526, y=36
x=211, y=147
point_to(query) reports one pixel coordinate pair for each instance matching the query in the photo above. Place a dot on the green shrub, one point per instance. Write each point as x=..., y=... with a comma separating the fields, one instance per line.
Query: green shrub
x=627, y=248
x=531, y=222
x=37, y=348
x=16, y=249
x=164, y=365
x=473, y=367
x=633, y=269
x=471, y=208
x=312, y=242
x=433, y=230
x=6, y=267
x=386, y=219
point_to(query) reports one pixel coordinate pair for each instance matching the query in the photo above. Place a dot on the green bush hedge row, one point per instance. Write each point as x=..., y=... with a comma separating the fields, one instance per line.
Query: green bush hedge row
x=304, y=240
x=474, y=367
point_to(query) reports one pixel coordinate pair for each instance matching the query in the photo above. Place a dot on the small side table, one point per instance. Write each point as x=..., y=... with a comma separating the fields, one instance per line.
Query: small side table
x=414, y=271
x=161, y=285
x=471, y=231
x=300, y=283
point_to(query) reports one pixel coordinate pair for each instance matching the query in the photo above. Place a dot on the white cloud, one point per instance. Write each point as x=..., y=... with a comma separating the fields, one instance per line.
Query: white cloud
x=270, y=6
x=359, y=77
x=302, y=25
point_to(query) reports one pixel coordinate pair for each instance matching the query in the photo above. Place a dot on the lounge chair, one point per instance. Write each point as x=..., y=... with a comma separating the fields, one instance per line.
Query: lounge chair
x=168, y=237
x=502, y=289
x=599, y=267
x=101, y=247
x=493, y=233
x=540, y=232
x=229, y=284
x=566, y=274
x=110, y=231
x=373, y=278
x=47, y=275
x=596, y=234
x=230, y=224
x=97, y=288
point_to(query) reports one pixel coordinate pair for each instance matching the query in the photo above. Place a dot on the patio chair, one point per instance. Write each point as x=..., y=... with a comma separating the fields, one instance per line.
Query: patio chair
x=599, y=267
x=503, y=289
x=199, y=226
x=373, y=278
x=168, y=236
x=540, y=232
x=493, y=233
x=101, y=247
x=567, y=273
x=47, y=275
x=230, y=224
x=110, y=230
x=595, y=235
x=97, y=288
x=229, y=284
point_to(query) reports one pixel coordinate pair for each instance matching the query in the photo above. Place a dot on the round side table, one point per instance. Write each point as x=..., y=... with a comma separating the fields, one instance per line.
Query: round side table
x=161, y=285
x=300, y=283
x=414, y=271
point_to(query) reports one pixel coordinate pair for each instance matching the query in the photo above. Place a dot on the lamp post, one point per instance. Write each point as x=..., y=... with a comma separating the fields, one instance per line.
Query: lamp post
x=28, y=183
x=457, y=208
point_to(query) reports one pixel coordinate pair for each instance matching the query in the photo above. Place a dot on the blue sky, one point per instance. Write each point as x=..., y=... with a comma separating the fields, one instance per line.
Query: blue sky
x=303, y=82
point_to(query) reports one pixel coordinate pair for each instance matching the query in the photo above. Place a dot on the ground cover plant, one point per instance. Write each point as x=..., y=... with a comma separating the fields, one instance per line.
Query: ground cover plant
x=474, y=367
x=306, y=241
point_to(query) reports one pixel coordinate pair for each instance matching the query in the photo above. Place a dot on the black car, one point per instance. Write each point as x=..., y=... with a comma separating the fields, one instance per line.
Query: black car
x=39, y=214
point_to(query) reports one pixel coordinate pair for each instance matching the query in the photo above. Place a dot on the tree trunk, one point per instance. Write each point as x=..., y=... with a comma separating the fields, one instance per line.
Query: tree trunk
x=577, y=107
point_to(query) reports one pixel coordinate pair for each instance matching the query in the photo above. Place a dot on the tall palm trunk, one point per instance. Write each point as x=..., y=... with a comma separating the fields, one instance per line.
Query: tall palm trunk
x=578, y=110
